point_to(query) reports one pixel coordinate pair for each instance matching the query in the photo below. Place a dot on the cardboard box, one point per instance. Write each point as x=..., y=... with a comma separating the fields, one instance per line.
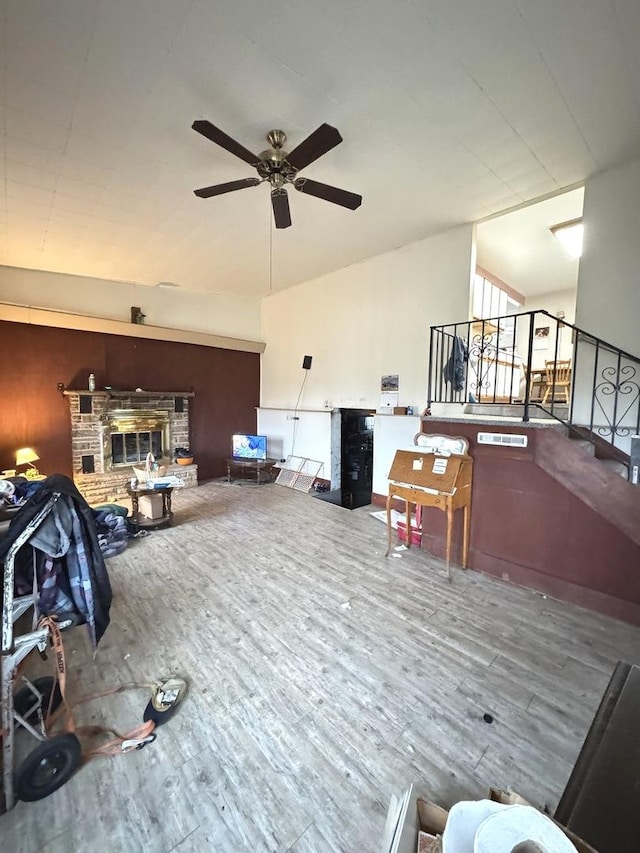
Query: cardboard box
x=399, y=410
x=150, y=506
x=413, y=812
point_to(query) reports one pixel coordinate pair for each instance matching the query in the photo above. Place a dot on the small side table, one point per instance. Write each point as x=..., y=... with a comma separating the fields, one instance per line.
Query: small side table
x=261, y=469
x=143, y=521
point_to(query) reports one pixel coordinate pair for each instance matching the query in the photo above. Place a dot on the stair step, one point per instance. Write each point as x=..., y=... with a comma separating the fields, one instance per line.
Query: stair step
x=585, y=444
x=617, y=467
x=515, y=410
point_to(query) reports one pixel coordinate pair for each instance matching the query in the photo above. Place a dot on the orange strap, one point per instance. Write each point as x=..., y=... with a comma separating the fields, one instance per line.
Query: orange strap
x=61, y=669
x=120, y=743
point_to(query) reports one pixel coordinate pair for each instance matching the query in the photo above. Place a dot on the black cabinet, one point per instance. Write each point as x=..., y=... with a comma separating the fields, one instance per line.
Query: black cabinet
x=356, y=457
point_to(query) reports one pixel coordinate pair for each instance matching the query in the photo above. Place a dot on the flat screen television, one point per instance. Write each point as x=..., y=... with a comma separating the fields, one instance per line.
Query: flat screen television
x=249, y=446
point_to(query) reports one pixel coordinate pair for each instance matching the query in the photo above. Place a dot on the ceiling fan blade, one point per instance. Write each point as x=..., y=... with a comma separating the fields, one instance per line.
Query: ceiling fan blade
x=328, y=193
x=280, y=204
x=318, y=143
x=220, y=138
x=220, y=189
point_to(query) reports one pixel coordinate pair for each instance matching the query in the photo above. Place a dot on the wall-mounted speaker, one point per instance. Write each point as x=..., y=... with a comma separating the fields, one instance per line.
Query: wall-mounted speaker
x=306, y=362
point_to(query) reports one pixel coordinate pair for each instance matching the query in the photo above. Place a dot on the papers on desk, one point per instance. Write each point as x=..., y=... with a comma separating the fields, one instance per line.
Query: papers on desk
x=171, y=482
x=439, y=465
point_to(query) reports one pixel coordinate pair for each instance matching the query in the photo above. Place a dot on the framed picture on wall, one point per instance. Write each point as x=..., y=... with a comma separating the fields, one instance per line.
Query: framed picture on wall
x=541, y=337
x=389, y=384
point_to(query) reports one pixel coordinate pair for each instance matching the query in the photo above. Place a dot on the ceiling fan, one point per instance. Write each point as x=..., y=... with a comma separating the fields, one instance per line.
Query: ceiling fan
x=280, y=167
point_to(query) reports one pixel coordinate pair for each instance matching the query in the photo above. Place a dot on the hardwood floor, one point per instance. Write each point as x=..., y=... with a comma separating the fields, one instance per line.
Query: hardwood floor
x=324, y=678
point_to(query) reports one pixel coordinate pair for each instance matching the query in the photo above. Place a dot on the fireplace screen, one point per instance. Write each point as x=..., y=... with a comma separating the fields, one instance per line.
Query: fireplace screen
x=131, y=447
x=132, y=434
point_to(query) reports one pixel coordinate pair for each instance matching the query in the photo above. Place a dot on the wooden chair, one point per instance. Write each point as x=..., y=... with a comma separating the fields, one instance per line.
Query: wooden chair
x=557, y=376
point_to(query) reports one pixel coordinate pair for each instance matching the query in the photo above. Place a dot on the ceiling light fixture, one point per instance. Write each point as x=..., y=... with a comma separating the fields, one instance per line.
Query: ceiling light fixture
x=167, y=284
x=570, y=234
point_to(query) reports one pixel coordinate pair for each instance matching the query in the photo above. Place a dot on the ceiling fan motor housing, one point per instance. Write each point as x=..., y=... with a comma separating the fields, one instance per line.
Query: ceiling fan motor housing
x=273, y=162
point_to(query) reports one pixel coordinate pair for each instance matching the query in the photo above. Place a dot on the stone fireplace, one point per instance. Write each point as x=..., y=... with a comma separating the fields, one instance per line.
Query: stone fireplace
x=111, y=431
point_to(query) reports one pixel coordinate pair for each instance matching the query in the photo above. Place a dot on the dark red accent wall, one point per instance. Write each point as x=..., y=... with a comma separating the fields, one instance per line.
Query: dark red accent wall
x=33, y=413
x=548, y=517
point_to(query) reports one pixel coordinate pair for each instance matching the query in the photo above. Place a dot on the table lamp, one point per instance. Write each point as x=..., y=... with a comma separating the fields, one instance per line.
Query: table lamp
x=27, y=456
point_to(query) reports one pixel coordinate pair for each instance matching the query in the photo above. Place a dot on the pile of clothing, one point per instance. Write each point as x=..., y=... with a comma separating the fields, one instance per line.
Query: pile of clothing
x=114, y=530
x=16, y=491
x=62, y=548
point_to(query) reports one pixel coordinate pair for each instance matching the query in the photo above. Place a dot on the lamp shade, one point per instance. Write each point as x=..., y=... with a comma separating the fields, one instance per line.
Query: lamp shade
x=26, y=455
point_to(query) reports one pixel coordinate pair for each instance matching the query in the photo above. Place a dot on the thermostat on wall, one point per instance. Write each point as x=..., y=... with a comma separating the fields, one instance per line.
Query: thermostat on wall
x=502, y=438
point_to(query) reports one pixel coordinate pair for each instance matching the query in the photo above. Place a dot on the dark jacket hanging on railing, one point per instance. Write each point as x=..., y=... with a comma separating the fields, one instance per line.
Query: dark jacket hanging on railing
x=454, y=370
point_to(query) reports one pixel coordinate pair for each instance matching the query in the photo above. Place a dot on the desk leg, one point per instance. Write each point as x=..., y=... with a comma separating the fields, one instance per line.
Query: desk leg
x=449, y=534
x=409, y=524
x=388, y=525
x=134, y=507
x=465, y=540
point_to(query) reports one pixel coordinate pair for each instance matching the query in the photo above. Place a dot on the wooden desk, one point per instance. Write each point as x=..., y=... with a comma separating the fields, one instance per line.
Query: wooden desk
x=428, y=479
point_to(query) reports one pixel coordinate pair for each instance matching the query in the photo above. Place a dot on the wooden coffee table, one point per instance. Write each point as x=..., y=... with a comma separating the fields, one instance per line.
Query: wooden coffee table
x=142, y=520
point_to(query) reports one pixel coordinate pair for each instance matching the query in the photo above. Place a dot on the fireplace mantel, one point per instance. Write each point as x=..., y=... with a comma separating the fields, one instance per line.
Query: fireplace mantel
x=68, y=392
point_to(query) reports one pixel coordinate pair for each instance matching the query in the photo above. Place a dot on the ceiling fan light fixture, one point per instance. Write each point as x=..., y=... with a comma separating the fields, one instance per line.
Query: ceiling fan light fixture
x=570, y=234
x=278, y=168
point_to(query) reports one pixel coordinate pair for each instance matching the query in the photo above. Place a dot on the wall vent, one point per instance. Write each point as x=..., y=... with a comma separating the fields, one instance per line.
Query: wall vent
x=502, y=438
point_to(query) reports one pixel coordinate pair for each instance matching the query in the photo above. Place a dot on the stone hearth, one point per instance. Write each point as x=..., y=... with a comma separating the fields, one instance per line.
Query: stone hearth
x=112, y=430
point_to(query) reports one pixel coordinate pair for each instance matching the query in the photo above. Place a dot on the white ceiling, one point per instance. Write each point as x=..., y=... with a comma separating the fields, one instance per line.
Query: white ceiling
x=520, y=249
x=450, y=110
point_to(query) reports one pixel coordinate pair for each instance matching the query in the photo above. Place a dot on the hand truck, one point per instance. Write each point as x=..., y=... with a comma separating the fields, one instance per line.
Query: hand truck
x=54, y=759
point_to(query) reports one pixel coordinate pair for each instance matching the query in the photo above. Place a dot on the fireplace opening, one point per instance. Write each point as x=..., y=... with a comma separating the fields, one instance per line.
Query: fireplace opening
x=131, y=434
x=128, y=447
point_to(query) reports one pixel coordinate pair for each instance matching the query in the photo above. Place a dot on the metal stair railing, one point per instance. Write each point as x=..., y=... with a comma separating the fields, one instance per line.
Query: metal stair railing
x=505, y=360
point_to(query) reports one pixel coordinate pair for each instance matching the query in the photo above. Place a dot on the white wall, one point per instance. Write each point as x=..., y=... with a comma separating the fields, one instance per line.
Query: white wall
x=608, y=302
x=390, y=433
x=364, y=321
x=312, y=434
x=230, y=316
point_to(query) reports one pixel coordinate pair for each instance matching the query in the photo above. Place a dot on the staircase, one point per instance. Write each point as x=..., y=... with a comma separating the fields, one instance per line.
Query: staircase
x=494, y=368
x=557, y=513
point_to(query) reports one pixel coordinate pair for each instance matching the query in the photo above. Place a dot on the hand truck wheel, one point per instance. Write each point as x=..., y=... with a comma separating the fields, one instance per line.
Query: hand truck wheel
x=24, y=698
x=52, y=763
